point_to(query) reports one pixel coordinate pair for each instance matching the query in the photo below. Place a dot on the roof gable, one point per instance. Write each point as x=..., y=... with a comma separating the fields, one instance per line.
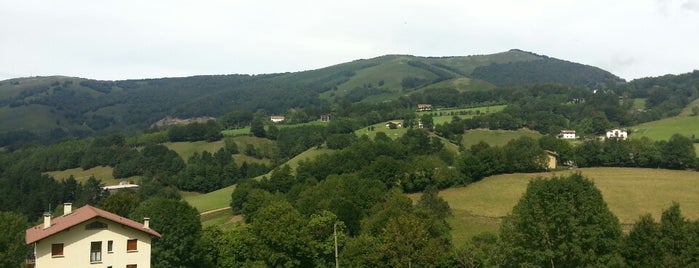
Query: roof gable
x=79, y=216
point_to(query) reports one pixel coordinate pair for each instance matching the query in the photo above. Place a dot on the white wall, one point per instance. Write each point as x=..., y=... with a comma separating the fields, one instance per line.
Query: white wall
x=76, y=247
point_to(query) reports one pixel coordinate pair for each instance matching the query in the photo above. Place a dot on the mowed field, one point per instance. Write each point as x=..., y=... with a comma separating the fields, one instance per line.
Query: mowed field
x=102, y=173
x=665, y=128
x=629, y=193
x=495, y=137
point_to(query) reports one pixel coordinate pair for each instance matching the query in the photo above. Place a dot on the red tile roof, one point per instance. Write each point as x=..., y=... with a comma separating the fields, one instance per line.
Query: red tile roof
x=78, y=216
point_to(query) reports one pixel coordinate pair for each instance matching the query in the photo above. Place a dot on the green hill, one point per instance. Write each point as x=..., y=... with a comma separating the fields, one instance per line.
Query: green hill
x=57, y=107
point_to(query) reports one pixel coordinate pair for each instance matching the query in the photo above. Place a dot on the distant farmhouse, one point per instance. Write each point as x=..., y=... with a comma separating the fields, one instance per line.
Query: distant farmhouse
x=121, y=186
x=424, y=107
x=394, y=124
x=89, y=237
x=567, y=135
x=325, y=118
x=276, y=118
x=617, y=134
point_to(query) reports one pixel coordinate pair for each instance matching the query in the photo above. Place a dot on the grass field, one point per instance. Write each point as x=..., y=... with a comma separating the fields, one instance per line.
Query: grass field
x=102, y=173
x=187, y=149
x=220, y=198
x=444, y=116
x=236, y=132
x=629, y=193
x=381, y=127
x=495, y=137
x=663, y=129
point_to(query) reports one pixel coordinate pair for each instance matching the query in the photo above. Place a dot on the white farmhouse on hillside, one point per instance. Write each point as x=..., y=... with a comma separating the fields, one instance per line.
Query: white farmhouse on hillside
x=276, y=118
x=90, y=237
x=617, y=134
x=567, y=135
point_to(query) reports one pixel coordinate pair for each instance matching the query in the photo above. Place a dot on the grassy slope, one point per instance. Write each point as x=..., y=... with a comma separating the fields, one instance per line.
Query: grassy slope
x=480, y=206
x=102, y=173
x=664, y=128
x=187, y=149
x=445, y=115
x=495, y=137
x=222, y=197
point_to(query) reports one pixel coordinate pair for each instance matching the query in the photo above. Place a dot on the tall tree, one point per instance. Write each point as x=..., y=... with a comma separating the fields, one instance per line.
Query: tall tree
x=561, y=222
x=257, y=127
x=678, y=152
x=12, y=248
x=180, y=227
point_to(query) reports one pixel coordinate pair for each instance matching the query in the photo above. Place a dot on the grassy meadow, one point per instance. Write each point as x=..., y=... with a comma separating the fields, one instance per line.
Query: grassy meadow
x=218, y=199
x=629, y=193
x=495, y=137
x=187, y=149
x=663, y=129
x=102, y=173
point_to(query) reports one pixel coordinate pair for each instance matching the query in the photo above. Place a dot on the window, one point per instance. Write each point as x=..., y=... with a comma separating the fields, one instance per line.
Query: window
x=96, y=251
x=110, y=246
x=131, y=266
x=132, y=245
x=57, y=250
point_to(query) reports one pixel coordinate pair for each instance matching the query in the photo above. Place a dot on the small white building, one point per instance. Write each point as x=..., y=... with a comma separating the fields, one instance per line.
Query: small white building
x=617, y=134
x=276, y=118
x=90, y=237
x=121, y=186
x=567, y=135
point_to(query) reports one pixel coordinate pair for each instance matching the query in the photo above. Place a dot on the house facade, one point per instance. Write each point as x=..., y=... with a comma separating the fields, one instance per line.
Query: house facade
x=617, y=134
x=551, y=160
x=90, y=237
x=567, y=135
x=424, y=107
x=277, y=118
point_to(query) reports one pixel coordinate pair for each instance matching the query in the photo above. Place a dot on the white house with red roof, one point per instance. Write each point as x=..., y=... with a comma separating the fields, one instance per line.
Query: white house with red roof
x=90, y=237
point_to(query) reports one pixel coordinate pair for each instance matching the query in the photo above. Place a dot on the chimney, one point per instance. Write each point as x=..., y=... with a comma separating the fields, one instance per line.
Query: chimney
x=146, y=223
x=67, y=208
x=47, y=220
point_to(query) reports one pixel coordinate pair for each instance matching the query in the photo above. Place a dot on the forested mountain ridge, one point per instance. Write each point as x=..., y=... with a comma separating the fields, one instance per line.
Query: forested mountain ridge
x=55, y=107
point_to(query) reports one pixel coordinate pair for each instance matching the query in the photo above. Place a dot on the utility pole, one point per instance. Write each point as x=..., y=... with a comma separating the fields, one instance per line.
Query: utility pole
x=337, y=263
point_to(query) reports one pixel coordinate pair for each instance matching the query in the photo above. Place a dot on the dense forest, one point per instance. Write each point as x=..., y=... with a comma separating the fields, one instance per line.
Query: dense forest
x=356, y=191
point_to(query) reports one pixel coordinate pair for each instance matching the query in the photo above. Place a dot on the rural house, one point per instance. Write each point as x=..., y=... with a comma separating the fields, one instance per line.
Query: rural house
x=424, y=107
x=394, y=124
x=552, y=160
x=276, y=118
x=325, y=118
x=89, y=237
x=567, y=135
x=121, y=186
x=617, y=134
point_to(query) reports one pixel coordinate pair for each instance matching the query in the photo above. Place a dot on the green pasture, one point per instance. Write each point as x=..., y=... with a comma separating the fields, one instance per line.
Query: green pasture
x=381, y=127
x=220, y=198
x=664, y=129
x=629, y=193
x=445, y=115
x=495, y=137
x=236, y=132
x=103, y=173
x=461, y=84
x=187, y=149
x=687, y=111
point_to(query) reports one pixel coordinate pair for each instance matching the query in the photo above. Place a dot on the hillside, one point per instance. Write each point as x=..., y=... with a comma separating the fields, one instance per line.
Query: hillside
x=480, y=206
x=56, y=107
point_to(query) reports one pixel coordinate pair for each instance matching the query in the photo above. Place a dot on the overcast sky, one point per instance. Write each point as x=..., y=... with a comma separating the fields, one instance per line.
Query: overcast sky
x=128, y=39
